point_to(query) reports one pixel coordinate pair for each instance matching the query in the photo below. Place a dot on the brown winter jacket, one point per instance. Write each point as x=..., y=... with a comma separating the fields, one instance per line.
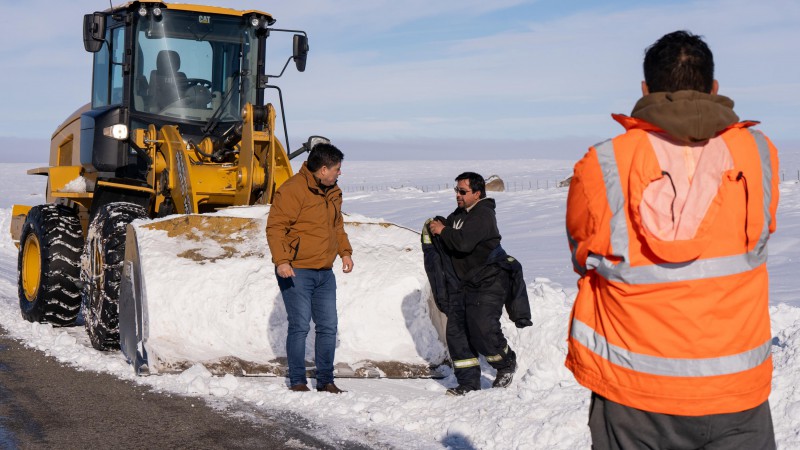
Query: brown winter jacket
x=305, y=226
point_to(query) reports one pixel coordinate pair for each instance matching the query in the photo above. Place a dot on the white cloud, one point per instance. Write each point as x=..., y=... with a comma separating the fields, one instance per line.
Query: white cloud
x=375, y=71
x=370, y=16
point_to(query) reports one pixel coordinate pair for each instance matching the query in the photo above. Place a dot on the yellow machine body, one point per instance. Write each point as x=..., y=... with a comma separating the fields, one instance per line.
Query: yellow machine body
x=119, y=162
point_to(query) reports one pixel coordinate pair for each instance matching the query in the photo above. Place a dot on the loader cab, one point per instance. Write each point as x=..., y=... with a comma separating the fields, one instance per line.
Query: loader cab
x=188, y=65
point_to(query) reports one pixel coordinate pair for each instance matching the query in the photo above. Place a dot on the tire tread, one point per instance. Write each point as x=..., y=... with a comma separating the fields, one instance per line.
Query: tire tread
x=61, y=241
x=101, y=302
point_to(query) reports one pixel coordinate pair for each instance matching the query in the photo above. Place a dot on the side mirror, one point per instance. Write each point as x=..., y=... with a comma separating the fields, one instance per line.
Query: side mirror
x=94, y=31
x=300, y=52
x=308, y=146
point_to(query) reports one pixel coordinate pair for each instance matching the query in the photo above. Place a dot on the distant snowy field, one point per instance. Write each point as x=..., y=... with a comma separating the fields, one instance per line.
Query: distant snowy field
x=543, y=409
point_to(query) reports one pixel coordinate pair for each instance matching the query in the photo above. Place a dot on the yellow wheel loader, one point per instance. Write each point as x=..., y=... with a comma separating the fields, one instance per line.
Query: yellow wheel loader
x=177, y=128
x=177, y=124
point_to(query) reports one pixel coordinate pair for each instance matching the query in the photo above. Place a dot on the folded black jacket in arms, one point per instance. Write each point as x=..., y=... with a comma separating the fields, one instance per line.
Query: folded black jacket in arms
x=445, y=284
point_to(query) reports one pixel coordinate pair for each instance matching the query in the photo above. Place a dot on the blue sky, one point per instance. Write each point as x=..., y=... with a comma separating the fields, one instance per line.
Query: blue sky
x=449, y=78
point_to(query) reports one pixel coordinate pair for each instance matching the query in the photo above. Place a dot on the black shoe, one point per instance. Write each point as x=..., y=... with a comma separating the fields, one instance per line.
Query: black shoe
x=330, y=388
x=505, y=375
x=459, y=390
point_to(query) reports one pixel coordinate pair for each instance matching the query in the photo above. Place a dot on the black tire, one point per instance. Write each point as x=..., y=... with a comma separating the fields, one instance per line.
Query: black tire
x=101, y=271
x=48, y=265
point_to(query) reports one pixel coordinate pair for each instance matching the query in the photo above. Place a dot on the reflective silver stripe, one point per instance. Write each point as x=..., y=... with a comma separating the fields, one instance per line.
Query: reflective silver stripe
x=766, y=183
x=659, y=273
x=462, y=363
x=495, y=358
x=616, y=200
x=696, y=270
x=670, y=367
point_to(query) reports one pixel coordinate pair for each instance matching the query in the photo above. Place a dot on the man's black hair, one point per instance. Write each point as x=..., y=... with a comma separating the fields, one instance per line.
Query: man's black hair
x=476, y=182
x=679, y=61
x=323, y=155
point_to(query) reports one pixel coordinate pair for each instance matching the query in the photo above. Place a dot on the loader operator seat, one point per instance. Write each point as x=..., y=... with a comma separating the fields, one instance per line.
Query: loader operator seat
x=166, y=82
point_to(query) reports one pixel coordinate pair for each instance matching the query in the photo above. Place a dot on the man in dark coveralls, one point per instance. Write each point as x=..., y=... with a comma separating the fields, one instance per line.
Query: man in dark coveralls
x=471, y=240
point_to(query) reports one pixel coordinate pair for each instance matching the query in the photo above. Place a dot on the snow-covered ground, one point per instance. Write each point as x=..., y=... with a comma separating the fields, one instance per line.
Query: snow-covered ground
x=543, y=408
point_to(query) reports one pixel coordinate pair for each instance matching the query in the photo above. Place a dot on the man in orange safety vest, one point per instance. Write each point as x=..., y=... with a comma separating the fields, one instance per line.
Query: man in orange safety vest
x=668, y=226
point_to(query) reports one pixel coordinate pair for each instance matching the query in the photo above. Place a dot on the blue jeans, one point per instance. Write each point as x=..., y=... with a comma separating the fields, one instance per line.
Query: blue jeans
x=310, y=294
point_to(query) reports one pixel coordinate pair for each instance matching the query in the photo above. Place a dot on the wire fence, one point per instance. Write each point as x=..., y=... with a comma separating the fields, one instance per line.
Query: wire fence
x=793, y=175
x=509, y=186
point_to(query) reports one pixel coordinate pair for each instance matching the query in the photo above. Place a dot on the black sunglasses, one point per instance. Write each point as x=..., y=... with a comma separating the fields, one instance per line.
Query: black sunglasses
x=461, y=191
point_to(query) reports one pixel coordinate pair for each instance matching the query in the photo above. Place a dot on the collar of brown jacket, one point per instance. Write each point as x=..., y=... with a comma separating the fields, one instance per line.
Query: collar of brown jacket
x=688, y=116
x=314, y=184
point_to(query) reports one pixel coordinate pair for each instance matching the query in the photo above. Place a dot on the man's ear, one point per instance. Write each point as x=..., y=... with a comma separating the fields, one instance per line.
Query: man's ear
x=645, y=89
x=714, y=87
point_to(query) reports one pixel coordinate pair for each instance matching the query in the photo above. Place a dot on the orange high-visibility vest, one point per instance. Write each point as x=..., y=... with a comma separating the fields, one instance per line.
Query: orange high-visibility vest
x=676, y=327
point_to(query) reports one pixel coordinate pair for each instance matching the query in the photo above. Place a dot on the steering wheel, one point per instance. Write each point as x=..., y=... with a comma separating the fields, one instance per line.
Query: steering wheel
x=198, y=82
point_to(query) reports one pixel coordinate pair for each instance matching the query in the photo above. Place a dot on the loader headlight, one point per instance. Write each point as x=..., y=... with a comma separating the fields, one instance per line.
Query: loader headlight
x=157, y=11
x=118, y=132
x=254, y=22
x=142, y=11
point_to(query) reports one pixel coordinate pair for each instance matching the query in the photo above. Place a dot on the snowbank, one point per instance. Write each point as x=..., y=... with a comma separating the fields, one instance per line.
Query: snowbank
x=211, y=296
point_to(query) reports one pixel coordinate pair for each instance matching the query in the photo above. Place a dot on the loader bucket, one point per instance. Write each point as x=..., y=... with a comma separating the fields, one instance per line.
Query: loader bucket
x=202, y=289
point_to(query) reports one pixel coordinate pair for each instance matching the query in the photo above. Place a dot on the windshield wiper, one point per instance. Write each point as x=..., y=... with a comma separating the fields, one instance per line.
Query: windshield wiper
x=214, y=120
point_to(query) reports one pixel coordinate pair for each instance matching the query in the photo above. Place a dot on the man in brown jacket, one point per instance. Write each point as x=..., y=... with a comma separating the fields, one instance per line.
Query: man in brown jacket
x=305, y=232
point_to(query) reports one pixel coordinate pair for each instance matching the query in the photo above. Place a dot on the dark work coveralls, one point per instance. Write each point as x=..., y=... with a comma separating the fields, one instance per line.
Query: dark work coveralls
x=476, y=297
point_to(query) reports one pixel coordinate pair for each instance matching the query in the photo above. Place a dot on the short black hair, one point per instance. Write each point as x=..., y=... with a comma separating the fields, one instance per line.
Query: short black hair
x=476, y=182
x=679, y=61
x=323, y=155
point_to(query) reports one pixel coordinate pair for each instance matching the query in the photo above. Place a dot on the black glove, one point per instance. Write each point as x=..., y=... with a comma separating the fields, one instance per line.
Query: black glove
x=522, y=323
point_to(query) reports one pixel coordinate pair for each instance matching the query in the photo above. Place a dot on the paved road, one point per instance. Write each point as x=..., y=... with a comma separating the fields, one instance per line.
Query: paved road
x=46, y=405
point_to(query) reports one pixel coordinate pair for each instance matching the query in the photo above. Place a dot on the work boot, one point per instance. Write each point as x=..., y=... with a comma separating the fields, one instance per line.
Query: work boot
x=299, y=388
x=506, y=374
x=459, y=390
x=330, y=387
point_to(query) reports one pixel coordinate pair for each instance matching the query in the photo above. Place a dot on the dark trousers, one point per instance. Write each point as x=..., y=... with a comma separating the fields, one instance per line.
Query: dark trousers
x=616, y=426
x=473, y=327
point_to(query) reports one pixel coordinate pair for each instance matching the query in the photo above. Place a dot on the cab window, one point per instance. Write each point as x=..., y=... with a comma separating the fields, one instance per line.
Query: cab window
x=107, y=84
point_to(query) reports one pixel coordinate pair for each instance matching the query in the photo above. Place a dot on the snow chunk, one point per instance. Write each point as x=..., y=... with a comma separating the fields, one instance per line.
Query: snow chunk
x=78, y=186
